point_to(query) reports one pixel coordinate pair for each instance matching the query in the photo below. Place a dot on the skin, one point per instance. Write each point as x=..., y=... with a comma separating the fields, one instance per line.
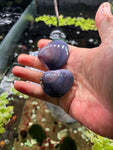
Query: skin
x=90, y=100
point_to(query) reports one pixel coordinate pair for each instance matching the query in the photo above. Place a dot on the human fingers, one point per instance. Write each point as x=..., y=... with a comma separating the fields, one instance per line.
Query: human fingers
x=27, y=74
x=33, y=91
x=30, y=61
x=34, y=62
x=104, y=21
x=43, y=42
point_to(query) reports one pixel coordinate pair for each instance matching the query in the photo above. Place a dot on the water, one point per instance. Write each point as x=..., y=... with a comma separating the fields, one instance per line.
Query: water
x=7, y=83
x=8, y=17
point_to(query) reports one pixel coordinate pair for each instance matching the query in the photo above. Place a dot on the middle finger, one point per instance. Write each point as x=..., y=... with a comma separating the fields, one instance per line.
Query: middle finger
x=31, y=61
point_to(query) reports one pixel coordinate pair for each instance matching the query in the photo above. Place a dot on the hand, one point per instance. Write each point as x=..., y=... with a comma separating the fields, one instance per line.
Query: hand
x=90, y=100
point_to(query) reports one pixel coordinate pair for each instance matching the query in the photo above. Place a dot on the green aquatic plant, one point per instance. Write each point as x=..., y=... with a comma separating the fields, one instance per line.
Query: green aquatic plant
x=98, y=142
x=37, y=132
x=68, y=144
x=5, y=111
x=85, y=24
x=111, y=8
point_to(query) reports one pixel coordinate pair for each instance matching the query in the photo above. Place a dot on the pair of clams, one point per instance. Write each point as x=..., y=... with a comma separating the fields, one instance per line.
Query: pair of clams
x=54, y=56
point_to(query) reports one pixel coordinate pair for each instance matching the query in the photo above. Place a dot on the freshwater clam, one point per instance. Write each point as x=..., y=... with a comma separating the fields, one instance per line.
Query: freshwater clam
x=54, y=55
x=56, y=83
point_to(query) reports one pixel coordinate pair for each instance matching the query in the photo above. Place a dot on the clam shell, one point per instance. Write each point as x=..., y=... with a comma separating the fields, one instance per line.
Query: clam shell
x=56, y=83
x=54, y=55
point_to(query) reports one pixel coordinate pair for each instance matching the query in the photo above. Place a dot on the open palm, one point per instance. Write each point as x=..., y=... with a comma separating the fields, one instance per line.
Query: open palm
x=90, y=100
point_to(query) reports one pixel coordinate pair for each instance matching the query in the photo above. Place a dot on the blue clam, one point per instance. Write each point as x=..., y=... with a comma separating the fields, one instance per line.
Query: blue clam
x=54, y=55
x=56, y=83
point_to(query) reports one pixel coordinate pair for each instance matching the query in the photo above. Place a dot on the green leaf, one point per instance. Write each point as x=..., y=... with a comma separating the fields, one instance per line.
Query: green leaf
x=3, y=95
x=7, y=115
x=10, y=109
x=17, y=93
x=85, y=24
x=1, y=124
x=2, y=130
x=3, y=102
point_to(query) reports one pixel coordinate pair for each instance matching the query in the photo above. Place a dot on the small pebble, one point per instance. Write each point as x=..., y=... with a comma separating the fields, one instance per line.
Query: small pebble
x=47, y=110
x=22, y=144
x=80, y=129
x=34, y=103
x=33, y=141
x=43, y=120
x=78, y=32
x=23, y=133
x=20, y=96
x=38, y=107
x=46, y=145
x=7, y=141
x=30, y=123
x=33, y=116
x=47, y=129
x=63, y=133
x=91, y=40
x=54, y=142
x=74, y=131
x=33, y=111
x=30, y=41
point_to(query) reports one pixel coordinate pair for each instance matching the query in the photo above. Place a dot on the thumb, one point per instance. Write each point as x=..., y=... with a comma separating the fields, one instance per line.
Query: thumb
x=104, y=21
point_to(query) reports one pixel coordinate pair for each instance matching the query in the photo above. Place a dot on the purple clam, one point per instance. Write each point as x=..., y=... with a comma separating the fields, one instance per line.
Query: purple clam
x=54, y=55
x=56, y=83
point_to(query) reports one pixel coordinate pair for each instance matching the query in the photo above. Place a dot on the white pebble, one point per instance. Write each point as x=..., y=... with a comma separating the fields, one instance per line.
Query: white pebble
x=30, y=41
x=46, y=145
x=34, y=103
x=63, y=133
x=33, y=116
x=30, y=123
x=22, y=144
x=33, y=111
x=47, y=129
x=38, y=107
x=47, y=110
x=43, y=120
x=74, y=131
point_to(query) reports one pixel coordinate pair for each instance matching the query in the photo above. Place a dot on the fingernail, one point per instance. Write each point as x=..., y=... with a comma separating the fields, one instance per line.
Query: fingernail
x=105, y=9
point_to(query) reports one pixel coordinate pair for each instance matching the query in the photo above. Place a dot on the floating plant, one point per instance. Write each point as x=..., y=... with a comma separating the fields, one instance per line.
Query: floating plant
x=85, y=24
x=98, y=142
x=5, y=111
x=54, y=55
x=56, y=83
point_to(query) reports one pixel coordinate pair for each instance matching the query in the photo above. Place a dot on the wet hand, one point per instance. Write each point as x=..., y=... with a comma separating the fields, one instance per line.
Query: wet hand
x=90, y=100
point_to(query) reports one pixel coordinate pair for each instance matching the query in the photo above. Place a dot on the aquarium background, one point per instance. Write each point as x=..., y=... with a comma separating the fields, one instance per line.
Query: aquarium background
x=24, y=115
